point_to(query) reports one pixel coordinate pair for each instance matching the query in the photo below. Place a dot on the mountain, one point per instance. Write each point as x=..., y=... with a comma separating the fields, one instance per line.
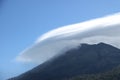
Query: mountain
x=113, y=74
x=86, y=59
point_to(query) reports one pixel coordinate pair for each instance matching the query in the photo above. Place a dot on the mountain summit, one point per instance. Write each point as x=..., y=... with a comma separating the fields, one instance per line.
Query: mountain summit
x=86, y=59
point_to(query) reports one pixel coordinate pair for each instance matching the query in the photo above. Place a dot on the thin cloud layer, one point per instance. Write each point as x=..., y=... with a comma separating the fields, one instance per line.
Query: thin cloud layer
x=57, y=41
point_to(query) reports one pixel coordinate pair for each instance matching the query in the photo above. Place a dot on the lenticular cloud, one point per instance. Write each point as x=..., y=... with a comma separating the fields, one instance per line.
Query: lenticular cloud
x=57, y=41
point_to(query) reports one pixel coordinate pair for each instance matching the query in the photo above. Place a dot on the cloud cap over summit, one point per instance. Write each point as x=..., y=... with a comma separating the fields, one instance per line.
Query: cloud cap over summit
x=55, y=42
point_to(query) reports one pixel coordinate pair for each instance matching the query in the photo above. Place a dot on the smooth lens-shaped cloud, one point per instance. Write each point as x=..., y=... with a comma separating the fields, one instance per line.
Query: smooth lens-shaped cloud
x=57, y=41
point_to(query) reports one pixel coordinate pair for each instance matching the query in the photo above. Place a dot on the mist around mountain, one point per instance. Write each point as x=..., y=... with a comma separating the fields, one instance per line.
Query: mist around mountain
x=86, y=61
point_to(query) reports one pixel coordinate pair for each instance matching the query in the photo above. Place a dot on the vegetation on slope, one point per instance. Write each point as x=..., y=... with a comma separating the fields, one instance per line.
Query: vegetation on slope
x=114, y=74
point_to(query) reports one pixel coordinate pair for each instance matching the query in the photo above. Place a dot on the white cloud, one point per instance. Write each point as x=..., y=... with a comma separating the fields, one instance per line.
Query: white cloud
x=52, y=43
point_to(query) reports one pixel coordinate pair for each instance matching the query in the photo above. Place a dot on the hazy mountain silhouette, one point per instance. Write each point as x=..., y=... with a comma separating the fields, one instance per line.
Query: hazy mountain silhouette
x=86, y=59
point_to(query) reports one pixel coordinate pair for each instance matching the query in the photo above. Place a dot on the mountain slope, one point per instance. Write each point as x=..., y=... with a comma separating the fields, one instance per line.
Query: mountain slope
x=86, y=59
x=113, y=74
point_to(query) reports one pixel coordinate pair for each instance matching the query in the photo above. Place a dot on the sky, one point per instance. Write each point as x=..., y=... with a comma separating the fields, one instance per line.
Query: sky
x=23, y=21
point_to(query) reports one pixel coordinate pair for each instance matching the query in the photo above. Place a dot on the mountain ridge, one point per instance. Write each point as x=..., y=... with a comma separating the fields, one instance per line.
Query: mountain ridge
x=86, y=59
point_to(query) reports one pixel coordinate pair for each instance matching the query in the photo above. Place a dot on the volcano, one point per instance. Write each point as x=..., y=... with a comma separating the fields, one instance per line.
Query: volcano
x=85, y=59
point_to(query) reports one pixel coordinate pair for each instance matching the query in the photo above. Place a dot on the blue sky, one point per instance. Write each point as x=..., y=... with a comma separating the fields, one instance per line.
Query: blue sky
x=23, y=21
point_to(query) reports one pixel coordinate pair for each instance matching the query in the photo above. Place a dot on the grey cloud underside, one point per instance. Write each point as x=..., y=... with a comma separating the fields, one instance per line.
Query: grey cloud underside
x=55, y=42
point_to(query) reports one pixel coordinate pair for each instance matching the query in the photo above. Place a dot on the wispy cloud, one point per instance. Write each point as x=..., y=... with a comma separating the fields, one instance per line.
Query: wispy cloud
x=55, y=42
